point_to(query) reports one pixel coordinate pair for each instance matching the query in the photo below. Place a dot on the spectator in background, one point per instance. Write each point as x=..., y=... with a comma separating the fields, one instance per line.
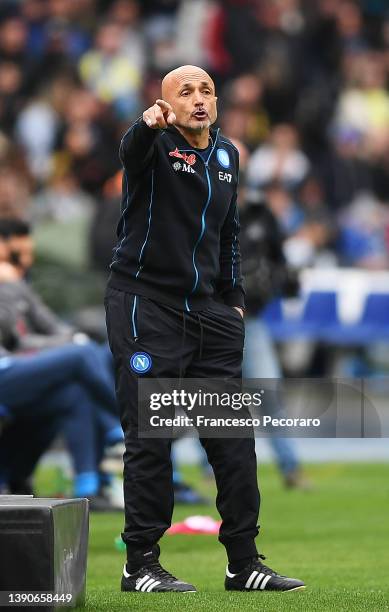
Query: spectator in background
x=110, y=73
x=345, y=172
x=303, y=219
x=349, y=24
x=126, y=13
x=72, y=151
x=280, y=159
x=35, y=13
x=160, y=32
x=11, y=92
x=57, y=37
x=40, y=121
x=364, y=104
x=87, y=132
x=15, y=193
x=17, y=70
x=244, y=117
x=364, y=233
x=35, y=130
x=357, y=161
x=13, y=42
x=266, y=276
x=83, y=156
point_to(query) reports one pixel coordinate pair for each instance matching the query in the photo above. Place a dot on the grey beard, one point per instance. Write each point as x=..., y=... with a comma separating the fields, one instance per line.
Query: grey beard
x=205, y=125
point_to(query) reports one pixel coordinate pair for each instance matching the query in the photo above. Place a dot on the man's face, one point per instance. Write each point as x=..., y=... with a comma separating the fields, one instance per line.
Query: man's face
x=21, y=252
x=192, y=96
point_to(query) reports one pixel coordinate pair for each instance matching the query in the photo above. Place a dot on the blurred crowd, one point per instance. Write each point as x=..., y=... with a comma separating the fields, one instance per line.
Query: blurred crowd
x=303, y=91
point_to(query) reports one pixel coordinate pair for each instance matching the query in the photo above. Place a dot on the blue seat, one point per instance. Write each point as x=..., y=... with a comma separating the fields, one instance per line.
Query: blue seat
x=272, y=313
x=279, y=327
x=319, y=312
x=372, y=327
x=377, y=310
x=320, y=321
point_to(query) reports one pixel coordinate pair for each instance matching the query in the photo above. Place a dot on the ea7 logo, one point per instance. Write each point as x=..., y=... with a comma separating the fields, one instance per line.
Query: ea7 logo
x=225, y=176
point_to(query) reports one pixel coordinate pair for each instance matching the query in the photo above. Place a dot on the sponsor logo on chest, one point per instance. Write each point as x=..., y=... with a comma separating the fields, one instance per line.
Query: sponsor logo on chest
x=225, y=176
x=178, y=166
x=187, y=161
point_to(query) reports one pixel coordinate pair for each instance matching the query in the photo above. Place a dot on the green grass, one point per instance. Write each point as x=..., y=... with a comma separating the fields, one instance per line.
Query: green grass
x=335, y=537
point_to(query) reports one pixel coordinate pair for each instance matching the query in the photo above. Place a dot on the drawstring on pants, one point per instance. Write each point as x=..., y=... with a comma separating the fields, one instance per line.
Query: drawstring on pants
x=182, y=344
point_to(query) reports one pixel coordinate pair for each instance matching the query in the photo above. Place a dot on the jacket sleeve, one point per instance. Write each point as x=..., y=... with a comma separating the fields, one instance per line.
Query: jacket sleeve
x=41, y=319
x=137, y=147
x=43, y=328
x=230, y=285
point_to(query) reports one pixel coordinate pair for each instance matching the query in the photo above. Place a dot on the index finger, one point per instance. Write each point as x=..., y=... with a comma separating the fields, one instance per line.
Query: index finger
x=164, y=106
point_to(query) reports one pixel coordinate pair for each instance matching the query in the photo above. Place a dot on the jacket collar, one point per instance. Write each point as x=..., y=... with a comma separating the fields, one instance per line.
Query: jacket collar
x=182, y=143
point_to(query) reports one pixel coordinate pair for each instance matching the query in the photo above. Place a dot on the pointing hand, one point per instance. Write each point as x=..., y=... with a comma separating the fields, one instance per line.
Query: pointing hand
x=160, y=115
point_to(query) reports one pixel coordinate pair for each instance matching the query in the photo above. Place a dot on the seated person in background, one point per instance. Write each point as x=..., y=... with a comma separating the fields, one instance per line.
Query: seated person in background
x=30, y=433
x=63, y=372
x=31, y=325
x=49, y=393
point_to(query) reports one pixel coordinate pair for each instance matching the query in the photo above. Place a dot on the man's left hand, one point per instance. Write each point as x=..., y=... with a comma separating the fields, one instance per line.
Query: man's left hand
x=240, y=310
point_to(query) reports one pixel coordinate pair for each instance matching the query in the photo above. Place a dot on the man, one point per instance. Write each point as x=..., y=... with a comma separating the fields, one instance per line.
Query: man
x=175, y=298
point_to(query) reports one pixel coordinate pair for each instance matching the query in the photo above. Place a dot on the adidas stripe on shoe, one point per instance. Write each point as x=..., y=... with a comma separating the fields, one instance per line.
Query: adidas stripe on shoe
x=143, y=584
x=152, y=577
x=259, y=577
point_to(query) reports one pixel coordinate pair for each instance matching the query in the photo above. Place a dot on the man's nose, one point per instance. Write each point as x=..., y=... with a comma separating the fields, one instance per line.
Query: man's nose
x=198, y=98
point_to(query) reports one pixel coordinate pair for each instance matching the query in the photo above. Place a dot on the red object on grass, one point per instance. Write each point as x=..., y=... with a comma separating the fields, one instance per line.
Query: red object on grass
x=193, y=525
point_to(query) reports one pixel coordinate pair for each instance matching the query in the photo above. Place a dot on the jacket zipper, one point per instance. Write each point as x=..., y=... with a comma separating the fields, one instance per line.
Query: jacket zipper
x=203, y=225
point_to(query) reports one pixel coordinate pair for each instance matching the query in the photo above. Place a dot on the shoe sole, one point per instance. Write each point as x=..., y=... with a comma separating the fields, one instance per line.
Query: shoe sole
x=299, y=588
x=147, y=593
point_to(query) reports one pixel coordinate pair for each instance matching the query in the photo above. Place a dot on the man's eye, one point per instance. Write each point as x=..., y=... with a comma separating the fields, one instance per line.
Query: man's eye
x=185, y=93
x=207, y=92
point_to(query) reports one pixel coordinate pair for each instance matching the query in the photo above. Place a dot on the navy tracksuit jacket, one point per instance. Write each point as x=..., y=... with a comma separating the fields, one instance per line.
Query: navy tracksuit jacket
x=178, y=232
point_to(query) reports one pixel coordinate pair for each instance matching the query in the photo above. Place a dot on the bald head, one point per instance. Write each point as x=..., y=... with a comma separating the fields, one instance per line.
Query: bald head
x=191, y=93
x=180, y=76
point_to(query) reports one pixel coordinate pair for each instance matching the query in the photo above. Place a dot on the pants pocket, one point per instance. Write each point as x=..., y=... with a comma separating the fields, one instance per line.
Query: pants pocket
x=234, y=315
x=132, y=306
